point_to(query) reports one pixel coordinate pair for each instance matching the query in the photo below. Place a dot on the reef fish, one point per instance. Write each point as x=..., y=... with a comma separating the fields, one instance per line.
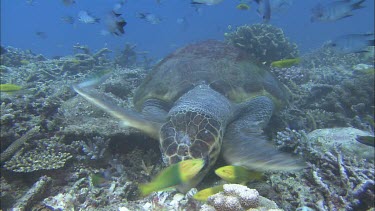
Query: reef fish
x=367, y=140
x=173, y=175
x=285, y=63
x=149, y=17
x=352, y=43
x=237, y=174
x=243, y=6
x=335, y=11
x=264, y=9
x=86, y=17
x=114, y=24
x=9, y=88
x=205, y=193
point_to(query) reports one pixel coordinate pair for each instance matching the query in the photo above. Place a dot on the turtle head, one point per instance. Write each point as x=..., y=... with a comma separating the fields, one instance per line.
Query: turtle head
x=190, y=135
x=194, y=128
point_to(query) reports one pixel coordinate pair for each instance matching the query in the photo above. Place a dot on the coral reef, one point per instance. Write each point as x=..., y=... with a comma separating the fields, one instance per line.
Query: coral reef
x=295, y=75
x=264, y=42
x=39, y=155
x=236, y=197
x=17, y=144
x=13, y=57
x=50, y=136
x=129, y=57
x=340, y=176
x=336, y=95
x=36, y=192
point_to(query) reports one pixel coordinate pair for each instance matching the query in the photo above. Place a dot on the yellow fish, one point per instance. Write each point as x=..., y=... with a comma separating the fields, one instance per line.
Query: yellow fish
x=9, y=88
x=243, y=6
x=205, y=193
x=285, y=63
x=173, y=175
x=237, y=174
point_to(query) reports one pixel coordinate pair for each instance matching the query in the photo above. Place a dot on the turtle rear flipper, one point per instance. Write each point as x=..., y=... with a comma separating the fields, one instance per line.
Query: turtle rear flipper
x=244, y=144
x=128, y=117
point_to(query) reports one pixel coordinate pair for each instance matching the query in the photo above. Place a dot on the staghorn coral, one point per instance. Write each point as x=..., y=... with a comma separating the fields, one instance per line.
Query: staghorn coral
x=237, y=197
x=35, y=193
x=264, y=42
x=17, y=144
x=95, y=148
x=340, y=176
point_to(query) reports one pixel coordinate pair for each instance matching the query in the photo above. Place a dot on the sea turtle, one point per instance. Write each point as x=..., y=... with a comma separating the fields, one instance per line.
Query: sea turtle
x=203, y=99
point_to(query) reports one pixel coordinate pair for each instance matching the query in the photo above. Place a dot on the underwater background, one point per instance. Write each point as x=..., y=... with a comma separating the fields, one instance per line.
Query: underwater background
x=21, y=20
x=61, y=59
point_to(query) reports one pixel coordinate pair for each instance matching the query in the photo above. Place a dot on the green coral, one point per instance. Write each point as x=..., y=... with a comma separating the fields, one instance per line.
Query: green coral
x=264, y=42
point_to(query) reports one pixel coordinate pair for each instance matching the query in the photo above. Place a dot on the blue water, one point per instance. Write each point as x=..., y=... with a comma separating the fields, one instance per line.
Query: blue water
x=20, y=21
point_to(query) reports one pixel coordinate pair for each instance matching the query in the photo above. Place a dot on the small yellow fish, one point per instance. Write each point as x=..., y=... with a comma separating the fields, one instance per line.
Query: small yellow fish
x=237, y=174
x=205, y=193
x=173, y=175
x=285, y=63
x=243, y=6
x=9, y=88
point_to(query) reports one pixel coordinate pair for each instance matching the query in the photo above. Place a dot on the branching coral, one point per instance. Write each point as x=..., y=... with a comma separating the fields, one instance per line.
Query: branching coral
x=341, y=174
x=34, y=194
x=264, y=42
x=17, y=144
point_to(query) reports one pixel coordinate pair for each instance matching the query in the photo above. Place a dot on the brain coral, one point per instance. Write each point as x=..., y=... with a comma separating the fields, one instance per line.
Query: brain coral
x=264, y=42
x=237, y=197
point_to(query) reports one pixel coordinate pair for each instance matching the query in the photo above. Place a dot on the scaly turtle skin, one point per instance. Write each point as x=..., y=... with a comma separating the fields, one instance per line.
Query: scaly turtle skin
x=205, y=99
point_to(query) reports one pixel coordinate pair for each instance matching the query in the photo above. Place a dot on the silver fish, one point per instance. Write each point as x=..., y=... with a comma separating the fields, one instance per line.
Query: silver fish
x=114, y=24
x=335, y=11
x=86, y=17
x=352, y=43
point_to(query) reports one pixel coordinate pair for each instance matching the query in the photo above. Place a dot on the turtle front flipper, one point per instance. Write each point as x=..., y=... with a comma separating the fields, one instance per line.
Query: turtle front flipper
x=155, y=110
x=244, y=145
x=128, y=117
